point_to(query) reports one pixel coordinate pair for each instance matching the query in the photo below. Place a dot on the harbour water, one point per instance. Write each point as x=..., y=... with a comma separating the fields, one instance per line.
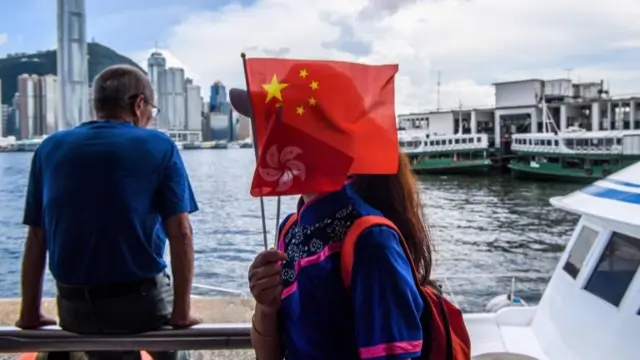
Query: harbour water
x=480, y=226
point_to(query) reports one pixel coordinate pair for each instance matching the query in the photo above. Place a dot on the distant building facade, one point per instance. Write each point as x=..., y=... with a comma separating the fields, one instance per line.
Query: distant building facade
x=194, y=107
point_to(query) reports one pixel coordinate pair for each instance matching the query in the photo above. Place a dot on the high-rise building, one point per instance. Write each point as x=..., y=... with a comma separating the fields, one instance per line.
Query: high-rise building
x=156, y=70
x=27, y=105
x=219, y=126
x=169, y=87
x=38, y=103
x=5, y=111
x=218, y=99
x=176, y=90
x=194, y=107
x=244, y=128
x=72, y=65
x=48, y=105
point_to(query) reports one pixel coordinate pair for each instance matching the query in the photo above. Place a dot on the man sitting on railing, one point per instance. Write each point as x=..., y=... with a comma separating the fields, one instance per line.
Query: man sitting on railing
x=100, y=200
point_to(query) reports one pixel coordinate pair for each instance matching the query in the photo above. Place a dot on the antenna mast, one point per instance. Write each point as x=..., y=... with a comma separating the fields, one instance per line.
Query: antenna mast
x=438, y=94
x=568, y=70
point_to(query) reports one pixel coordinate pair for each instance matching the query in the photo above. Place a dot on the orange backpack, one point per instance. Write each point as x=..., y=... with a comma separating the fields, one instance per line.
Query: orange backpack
x=445, y=333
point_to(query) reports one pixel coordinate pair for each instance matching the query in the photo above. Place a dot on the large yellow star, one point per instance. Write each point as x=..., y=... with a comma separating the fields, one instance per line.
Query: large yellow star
x=274, y=88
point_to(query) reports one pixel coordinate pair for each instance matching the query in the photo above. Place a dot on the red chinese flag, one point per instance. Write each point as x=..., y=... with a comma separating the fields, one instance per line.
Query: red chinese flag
x=347, y=105
x=293, y=162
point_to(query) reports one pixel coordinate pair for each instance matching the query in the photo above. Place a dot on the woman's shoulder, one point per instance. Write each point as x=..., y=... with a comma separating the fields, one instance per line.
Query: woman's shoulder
x=378, y=239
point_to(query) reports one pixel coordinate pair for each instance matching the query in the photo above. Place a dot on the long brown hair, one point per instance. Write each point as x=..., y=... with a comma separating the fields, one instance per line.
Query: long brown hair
x=398, y=198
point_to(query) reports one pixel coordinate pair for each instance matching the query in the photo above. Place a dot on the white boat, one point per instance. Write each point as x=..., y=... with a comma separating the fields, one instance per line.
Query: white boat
x=445, y=154
x=416, y=141
x=590, y=309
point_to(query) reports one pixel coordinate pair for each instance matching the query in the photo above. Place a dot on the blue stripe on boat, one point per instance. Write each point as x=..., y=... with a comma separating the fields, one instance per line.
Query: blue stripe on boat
x=612, y=194
x=623, y=183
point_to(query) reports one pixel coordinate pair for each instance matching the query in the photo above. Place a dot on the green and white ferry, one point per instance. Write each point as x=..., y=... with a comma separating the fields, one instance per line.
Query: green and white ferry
x=575, y=155
x=446, y=154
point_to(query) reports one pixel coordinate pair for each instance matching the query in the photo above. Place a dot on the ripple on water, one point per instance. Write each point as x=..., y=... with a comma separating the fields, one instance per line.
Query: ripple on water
x=479, y=225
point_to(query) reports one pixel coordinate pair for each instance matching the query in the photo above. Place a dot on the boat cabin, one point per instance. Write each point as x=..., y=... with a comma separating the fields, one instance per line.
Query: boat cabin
x=590, y=309
x=585, y=142
x=413, y=141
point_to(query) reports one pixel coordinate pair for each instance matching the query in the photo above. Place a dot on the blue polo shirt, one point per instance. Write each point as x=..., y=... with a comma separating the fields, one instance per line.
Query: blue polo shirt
x=100, y=192
x=378, y=319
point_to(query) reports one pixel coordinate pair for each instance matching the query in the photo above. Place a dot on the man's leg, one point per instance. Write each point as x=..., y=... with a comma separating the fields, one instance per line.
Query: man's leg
x=145, y=309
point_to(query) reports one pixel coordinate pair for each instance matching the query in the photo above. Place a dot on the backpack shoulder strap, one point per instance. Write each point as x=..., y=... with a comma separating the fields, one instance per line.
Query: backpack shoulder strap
x=349, y=243
x=286, y=225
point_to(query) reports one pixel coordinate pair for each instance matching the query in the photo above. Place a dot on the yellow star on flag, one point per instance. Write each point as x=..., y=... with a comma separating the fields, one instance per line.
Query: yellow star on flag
x=312, y=101
x=300, y=110
x=274, y=88
x=303, y=73
x=314, y=85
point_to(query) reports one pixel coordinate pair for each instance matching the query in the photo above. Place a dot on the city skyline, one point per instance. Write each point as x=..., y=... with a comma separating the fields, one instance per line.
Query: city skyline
x=34, y=111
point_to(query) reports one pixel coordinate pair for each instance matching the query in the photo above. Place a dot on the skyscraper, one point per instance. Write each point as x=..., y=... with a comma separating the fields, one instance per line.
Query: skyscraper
x=194, y=108
x=218, y=99
x=156, y=70
x=244, y=128
x=48, y=104
x=5, y=123
x=27, y=105
x=72, y=64
x=176, y=91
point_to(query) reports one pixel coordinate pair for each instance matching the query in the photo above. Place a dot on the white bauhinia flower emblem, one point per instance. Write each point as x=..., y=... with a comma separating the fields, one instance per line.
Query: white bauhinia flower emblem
x=283, y=167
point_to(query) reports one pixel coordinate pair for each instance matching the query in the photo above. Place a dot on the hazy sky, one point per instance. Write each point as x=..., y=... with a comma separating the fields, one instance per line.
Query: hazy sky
x=471, y=42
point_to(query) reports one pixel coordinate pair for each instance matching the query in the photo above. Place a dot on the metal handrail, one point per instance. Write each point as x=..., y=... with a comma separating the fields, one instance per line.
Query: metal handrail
x=231, y=336
x=200, y=337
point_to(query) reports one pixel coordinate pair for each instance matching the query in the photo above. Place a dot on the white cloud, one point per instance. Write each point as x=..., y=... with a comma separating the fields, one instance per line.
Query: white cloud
x=3, y=38
x=472, y=42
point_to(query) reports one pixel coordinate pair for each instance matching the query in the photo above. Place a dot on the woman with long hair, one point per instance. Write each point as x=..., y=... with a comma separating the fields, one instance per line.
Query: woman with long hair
x=303, y=309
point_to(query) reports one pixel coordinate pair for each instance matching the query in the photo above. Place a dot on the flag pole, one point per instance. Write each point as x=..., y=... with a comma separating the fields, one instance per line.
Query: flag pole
x=255, y=149
x=278, y=118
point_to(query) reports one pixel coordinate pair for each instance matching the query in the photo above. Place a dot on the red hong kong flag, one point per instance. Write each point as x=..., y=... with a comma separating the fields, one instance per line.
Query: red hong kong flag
x=295, y=162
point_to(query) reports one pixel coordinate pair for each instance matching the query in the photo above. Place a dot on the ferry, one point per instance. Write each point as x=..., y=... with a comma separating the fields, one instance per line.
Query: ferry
x=572, y=155
x=576, y=155
x=446, y=154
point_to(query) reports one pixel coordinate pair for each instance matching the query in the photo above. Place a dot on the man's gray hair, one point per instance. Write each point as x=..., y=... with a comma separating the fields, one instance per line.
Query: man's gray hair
x=116, y=89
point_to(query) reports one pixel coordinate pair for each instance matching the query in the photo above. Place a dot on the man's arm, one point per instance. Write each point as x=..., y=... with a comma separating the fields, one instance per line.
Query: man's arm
x=176, y=202
x=35, y=249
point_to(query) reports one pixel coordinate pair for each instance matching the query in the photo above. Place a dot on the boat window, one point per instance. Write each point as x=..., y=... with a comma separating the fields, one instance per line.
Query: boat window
x=616, y=268
x=478, y=139
x=581, y=247
x=457, y=141
x=464, y=141
x=555, y=143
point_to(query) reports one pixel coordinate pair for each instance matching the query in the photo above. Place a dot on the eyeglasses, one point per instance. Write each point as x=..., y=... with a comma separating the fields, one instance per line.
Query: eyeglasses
x=154, y=109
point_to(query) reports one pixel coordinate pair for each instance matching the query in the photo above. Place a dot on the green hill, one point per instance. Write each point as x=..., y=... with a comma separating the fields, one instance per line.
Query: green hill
x=45, y=62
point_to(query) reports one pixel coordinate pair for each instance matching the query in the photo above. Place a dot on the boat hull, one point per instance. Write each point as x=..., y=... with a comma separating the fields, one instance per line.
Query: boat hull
x=555, y=172
x=450, y=167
